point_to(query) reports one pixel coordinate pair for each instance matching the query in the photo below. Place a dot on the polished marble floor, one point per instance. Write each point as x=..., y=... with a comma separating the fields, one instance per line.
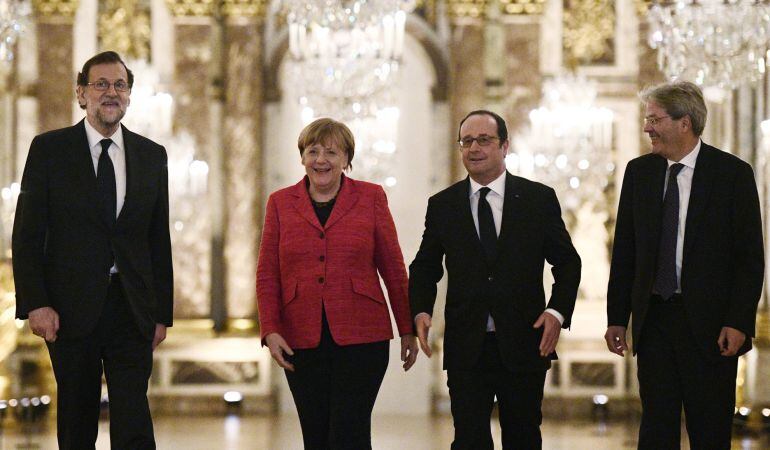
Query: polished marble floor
x=389, y=432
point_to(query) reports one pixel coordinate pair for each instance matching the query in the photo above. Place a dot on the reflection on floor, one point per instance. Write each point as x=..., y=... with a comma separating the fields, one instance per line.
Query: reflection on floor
x=389, y=432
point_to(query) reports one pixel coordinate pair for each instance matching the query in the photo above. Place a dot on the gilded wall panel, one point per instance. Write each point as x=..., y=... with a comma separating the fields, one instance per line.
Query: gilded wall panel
x=589, y=31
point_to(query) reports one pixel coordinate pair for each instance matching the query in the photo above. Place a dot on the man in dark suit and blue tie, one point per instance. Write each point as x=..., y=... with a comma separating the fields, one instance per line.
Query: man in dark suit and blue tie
x=92, y=259
x=494, y=231
x=688, y=266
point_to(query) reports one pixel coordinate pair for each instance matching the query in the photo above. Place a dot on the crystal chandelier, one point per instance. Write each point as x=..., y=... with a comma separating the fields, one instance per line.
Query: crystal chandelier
x=716, y=43
x=11, y=12
x=569, y=144
x=344, y=59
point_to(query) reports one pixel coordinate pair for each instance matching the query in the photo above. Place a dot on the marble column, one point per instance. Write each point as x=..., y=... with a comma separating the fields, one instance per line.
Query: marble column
x=243, y=155
x=56, y=81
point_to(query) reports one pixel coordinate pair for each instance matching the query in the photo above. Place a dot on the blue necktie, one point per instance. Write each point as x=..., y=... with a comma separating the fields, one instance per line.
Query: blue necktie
x=666, y=281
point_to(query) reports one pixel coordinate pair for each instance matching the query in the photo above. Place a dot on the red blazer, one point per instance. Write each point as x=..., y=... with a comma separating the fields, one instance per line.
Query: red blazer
x=303, y=266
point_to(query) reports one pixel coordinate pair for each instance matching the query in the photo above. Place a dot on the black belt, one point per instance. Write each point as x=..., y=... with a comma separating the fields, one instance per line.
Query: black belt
x=656, y=299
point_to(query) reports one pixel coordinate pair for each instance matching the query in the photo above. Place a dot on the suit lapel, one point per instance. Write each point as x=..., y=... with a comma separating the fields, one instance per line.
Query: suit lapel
x=466, y=223
x=652, y=198
x=346, y=199
x=131, y=151
x=302, y=204
x=699, y=195
x=511, y=223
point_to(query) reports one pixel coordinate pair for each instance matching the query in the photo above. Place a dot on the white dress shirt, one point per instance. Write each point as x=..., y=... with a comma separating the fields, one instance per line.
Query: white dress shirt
x=684, y=182
x=117, y=155
x=495, y=198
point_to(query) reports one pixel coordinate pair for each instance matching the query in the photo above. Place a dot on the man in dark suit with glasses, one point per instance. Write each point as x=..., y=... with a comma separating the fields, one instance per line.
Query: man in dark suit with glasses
x=687, y=266
x=494, y=231
x=92, y=259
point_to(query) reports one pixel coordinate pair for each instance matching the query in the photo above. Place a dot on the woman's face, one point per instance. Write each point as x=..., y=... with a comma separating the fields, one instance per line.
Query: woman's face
x=324, y=164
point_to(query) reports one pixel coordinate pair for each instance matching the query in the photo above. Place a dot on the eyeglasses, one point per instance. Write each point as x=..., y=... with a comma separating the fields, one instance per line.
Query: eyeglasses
x=482, y=140
x=104, y=85
x=329, y=153
x=652, y=120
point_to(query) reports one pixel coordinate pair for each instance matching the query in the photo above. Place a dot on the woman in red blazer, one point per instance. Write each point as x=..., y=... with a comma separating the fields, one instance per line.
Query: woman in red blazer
x=322, y=311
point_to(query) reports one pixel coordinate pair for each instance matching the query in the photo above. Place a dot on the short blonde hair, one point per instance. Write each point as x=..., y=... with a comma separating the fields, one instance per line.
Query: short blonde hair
x=326, y=131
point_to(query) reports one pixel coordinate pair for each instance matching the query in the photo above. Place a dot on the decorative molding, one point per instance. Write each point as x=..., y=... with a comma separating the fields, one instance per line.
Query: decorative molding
x=229, y=8
x=244, y=8
x=478, y=8
x=55, y=8
x=194, y=8
x=522, y=7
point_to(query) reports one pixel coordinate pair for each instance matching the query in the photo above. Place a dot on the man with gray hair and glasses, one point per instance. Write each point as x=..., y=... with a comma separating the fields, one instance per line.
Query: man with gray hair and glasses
x=688, y=266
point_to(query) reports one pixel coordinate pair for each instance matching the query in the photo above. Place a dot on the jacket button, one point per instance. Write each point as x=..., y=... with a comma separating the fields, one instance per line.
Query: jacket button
x=320, y=280
x=491, y=278
x=321, y=235
x=321, y=258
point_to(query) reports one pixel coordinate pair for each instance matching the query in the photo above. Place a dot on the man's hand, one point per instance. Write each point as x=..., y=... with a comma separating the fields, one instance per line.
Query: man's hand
x=408, y=350
x=44, y=322
x=730, y=341
x=278, y=346
x=422, y=322
x=616, y=339
x=160, y=335
x=551, y=330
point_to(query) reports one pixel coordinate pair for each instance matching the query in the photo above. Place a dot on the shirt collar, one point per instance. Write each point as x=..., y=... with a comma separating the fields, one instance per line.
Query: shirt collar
x=497, y=186
x=689, y=160
x=94, y=137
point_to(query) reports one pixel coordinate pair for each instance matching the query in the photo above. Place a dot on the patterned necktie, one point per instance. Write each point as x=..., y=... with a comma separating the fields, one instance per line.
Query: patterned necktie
x=105, y=185
x=666, y=281
x=487, y=231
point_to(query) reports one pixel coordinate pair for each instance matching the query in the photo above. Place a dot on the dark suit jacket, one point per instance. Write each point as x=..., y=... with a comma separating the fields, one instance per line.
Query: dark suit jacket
x=304, y=267
x=62, y=248
x=723, y=258
x=510, y=288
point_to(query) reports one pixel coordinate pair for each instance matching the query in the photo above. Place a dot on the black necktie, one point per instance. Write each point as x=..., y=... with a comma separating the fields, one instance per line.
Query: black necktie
x=105, y=185
x=665, y=279
x=487, y=231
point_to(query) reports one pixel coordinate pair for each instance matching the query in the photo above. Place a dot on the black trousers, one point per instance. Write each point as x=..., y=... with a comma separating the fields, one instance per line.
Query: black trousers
x=334, y=388
x=673, y=373
x=519, y=398
x=118, y=349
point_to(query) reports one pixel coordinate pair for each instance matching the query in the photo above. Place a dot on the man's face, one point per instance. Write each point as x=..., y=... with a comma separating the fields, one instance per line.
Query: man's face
x=483, y=163
x=664, y=131
x=105, y=109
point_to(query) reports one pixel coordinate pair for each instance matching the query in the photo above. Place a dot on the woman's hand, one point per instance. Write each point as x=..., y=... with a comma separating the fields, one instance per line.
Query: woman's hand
x=408, y=350
x=278, y=346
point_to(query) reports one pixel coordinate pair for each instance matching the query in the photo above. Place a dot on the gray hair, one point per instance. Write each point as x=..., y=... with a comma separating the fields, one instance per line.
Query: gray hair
x=679, y=99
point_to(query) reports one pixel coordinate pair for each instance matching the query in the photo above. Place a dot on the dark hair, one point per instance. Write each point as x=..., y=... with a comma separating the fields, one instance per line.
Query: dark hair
x=108, y=57
x=502, y=129
x=326, y=131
